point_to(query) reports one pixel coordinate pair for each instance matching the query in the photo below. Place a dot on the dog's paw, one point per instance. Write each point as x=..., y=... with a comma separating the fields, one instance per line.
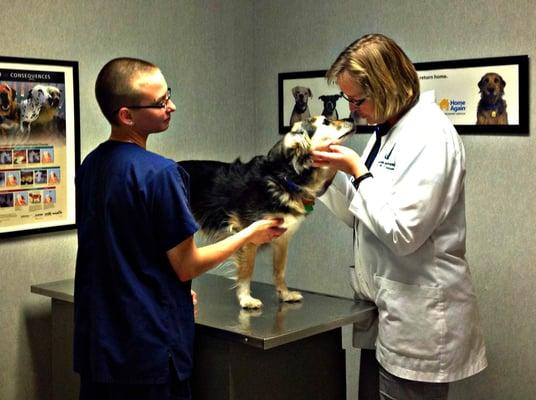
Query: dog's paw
x=249, y=302
x=290, y=296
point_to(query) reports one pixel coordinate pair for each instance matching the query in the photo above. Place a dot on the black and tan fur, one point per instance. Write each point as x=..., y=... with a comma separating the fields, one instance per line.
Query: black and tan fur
x=227, y=197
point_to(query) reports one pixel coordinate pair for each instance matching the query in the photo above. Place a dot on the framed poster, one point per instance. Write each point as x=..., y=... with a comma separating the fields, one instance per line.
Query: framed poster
x=487, y=95
x=480, y=96
x=39, y=145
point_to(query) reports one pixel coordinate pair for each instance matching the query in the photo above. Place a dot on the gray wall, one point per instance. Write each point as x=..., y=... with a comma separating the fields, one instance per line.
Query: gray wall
x=222, y=59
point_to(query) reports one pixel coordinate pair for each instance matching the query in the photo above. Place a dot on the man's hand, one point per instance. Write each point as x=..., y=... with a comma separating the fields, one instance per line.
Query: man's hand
x=265, y=230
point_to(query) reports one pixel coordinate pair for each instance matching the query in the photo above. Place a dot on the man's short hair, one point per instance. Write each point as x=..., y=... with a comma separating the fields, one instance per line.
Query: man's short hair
x=115, y=87
x=382, y=70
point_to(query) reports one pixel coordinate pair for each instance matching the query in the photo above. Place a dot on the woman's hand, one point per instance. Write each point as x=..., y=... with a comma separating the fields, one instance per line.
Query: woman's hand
x=341, y=158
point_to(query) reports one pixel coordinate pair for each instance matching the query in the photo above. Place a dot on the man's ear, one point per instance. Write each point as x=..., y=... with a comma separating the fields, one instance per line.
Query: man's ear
x=124, y=117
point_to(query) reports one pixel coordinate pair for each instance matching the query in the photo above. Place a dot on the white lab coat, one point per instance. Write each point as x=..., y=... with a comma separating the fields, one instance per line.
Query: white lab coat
x=409, y=221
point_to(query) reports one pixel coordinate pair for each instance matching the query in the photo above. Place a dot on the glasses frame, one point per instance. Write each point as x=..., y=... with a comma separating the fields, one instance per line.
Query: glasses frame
x=161, y=104
x=357, y=103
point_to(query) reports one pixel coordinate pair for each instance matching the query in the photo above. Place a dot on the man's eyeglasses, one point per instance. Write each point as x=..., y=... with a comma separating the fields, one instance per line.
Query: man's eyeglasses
x=161, y=104
x=355, y=102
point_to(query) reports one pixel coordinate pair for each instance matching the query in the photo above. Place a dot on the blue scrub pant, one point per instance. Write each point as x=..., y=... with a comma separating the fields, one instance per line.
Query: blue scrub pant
x=173, y=390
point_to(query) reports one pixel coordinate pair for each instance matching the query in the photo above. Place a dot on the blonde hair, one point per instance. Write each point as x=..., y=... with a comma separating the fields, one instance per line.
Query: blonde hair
x=384, y=72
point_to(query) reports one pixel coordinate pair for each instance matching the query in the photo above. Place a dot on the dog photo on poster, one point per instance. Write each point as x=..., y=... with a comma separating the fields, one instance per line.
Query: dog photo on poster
x=38, y=144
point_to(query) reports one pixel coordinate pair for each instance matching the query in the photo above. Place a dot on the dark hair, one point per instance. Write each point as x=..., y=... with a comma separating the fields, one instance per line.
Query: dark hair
x=115, y=87
x=382, y=70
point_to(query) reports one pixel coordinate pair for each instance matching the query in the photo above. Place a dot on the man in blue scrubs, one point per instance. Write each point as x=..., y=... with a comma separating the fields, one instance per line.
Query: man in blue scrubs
x=134, y=320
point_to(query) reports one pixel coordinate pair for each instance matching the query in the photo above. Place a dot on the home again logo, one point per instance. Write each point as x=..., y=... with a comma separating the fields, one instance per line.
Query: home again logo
x=452, y=107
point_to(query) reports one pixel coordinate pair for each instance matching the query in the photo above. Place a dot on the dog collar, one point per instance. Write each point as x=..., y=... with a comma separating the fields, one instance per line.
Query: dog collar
x=290, y=185
x=493, y=108
x=308, y=205
x=294, y=188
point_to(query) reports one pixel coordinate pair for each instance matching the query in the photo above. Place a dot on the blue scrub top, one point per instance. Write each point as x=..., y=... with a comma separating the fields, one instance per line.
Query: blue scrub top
x=132, y=313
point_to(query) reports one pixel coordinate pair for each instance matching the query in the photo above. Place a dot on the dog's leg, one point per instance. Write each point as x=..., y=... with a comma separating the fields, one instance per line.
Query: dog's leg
x=245, y=262
x=280, y=247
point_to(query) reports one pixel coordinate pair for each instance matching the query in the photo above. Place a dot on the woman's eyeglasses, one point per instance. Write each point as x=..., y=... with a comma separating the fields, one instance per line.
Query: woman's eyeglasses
x=355, y=102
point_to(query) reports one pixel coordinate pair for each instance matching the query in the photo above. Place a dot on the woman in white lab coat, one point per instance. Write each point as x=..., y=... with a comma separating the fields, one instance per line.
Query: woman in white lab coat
x=406, y=205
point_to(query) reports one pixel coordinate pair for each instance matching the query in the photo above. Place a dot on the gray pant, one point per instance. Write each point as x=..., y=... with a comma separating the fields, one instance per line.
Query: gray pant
x=375, y=383
x=394, y=388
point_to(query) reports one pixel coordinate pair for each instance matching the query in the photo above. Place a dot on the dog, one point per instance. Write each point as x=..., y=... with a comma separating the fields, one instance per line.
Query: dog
x=20, y=200
x=34, y=156
x=330, y=106
x=11, y=180
x=300, y=112
x=9, y=111
x=6, y=157
x=26, y=177
x=40, y=176
x=40, y=107
x=53, y=178
x=46, y=157
x=491, y=108
x=35, y=197
x=227, y=197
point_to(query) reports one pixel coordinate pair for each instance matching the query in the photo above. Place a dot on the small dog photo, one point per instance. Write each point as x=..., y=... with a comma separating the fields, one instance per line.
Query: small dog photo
x=19, y=156
x=35, y=197
x=47, y=155
x=49, y=196
x=21, y=199
x=34, y=156
x=491, y=109
x=40, y=176
x=53, y=176
x=12, y=178
x=26, y=178
x=6, y=200
x=6, y=157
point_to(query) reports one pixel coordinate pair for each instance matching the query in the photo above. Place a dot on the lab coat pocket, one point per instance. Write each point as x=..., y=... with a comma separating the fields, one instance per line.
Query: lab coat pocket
x=411, y=319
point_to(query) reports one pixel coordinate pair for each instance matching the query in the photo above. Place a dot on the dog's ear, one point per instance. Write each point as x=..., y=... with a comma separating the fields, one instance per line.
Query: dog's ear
x=310, y=93
x=12, y=92
x=481, y=83
x=30, y=94
x=322, y=97
x=503, y=83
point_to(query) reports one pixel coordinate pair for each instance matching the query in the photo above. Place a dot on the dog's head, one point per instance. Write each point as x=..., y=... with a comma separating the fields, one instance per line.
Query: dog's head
x=491, y=85
x=330, y=102
x=54, y=97
x=305, y=136
x=7, y=100
x=301, y=94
